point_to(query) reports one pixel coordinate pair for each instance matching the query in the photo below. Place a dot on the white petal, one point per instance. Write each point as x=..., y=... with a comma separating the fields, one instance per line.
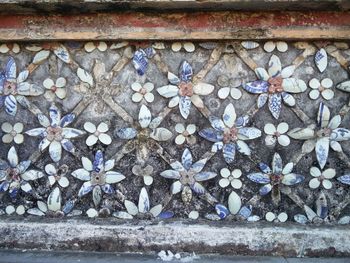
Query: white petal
x=176, y=47
x=89, y=127
x=314, y=83
x=143, y=204
x=174, y=102
x=180, y=139
x=224, y=182
x=136, y=86
x=189, y=47
x=54, y=200
x=89, y=47
x=203, y=89
x=262, y=74
x=287, y=72
x=102, y=46
x=114, y=177
x=334, y=122
x=61, y=82
x=85, y=76
x=270, y=129
x=283, y=140
x=149, y=86
x=329, y=173
x=327, y=94
x=224, y=172
x=269, y=46
x=327, y=83
x=235, y=93
x=102, y=127
x=91, y=212
x=282, y=46
x=282, y=127
x=63, y=181
x=191, y=129
x=314, y=94
x=282, y=217
x=336, y=146
x=229, y=116
x=91, y=140
x=288, y=168
x=144, y=116
x=147, y=179
x=87, y=164
x=176, y=187
x=327, y=184
x=149, y=97
x=270, y=216
x=137, y=97
x=179, y=128
x=48, y=83
x=315, y=172
x=105, y=139
x=223, y=92
x=236, y=183
x=275, y=66
x=168, y=91
x=131, y=208
x=314, y=183
x=12, y=157
x=234, y=203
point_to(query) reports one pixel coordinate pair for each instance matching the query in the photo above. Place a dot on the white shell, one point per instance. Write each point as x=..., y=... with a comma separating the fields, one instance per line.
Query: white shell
x=193, y=215
x=282, y=217
x=10, y=209
x=269, y=46
x=234, y=203
x=270, y=216
x=223, y=92
x=54, y=200
x=91, y=212
x=176, y=47
x=40, y=57
x=105, y=139
x=20, y=210
x=85, y=76
x=282, y=46
x=189, y=46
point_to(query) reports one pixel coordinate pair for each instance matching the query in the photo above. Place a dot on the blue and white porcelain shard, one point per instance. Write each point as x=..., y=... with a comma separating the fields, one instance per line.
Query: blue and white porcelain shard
x=344, y=179
x=222, y=211
x=321, y=60
x=140, y=62
x=186, y=71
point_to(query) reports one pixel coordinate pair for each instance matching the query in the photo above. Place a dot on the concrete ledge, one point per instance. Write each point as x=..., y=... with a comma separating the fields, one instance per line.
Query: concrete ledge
x=174, y=26
x=110, y=235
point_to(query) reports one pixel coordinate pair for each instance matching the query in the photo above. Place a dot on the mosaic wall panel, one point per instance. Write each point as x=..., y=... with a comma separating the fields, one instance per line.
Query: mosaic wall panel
x=241, y=131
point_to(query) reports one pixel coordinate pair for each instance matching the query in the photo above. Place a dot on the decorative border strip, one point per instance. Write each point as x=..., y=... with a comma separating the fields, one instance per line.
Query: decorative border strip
x=262, y=239
x=169, y=26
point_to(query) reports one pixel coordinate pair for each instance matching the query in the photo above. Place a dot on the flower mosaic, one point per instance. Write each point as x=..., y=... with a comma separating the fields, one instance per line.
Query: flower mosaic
x=183, y=91
x=327, y=134
x=125, y=137
x=230, y=134
x=275, y=85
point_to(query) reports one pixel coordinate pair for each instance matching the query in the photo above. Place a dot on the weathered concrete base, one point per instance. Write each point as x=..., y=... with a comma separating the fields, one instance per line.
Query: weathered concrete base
x=142, y=236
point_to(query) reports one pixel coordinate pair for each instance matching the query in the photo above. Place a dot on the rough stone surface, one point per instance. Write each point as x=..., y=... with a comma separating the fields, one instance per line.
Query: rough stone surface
x=141, y=236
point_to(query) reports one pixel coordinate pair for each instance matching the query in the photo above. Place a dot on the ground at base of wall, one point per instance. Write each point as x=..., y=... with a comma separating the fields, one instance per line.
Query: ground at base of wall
x=53, y=257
